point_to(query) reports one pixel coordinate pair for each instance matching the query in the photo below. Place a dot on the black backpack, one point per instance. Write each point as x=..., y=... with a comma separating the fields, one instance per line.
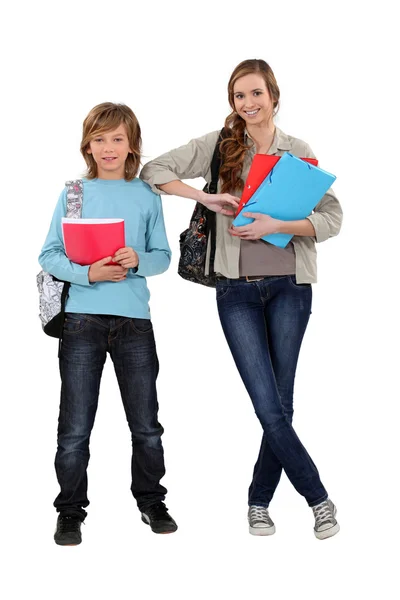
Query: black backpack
x=193, y=241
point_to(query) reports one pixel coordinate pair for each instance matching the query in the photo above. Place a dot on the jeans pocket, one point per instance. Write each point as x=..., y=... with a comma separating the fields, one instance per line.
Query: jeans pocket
x=74, y=323
x=141, y=325
x=298, y=286
x=222, y=291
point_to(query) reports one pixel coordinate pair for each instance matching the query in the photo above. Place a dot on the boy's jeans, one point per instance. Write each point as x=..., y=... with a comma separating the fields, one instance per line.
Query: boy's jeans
x=130, y=342
x=264, y=323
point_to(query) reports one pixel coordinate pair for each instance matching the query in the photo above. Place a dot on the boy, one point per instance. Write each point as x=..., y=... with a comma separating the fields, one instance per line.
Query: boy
x=107, y=311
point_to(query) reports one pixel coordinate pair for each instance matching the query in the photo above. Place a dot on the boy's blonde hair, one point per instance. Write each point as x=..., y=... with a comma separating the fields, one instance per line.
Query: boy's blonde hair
x=107, y=117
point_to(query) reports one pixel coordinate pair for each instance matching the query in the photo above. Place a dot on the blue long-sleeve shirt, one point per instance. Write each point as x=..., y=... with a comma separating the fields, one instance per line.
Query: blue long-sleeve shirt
x=141, y=209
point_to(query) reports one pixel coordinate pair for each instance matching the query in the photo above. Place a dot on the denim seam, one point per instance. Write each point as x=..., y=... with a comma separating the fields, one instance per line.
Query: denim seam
x=88, y=317
x=119, y=325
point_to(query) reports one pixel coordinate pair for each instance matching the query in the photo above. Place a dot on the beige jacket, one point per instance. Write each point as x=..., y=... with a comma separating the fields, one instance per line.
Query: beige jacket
x=194, y=159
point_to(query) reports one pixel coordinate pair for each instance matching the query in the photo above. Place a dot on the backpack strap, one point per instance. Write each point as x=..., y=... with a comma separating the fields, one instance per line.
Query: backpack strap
x=212, y=189
x=74, y=211
x=216, y=163
x=74, y=198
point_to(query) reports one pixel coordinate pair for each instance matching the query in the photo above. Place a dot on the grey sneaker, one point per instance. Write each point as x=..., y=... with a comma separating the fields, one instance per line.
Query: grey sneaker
x=325, y=523
x=260, y=523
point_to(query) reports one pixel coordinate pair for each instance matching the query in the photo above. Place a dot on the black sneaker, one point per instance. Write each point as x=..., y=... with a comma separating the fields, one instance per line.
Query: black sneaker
x=158, y=518
x=68, y=532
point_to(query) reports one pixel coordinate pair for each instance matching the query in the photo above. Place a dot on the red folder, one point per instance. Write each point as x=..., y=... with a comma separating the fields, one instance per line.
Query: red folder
x=89, y=240
x=260, y=167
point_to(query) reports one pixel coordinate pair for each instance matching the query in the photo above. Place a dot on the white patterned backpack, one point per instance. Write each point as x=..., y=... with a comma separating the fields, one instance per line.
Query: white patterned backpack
x=53, y=292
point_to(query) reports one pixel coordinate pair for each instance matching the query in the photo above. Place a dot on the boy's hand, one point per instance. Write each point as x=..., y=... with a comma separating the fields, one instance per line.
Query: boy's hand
x=126, y=257
x=99, y=271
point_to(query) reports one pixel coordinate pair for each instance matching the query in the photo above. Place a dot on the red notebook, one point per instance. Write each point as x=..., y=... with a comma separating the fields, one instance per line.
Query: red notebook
x=89, y=240
x=261, y=165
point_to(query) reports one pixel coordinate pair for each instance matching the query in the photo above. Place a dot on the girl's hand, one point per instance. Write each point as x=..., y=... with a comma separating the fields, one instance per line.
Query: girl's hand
x=220, y=203
x=262, y=225
x=126, y=257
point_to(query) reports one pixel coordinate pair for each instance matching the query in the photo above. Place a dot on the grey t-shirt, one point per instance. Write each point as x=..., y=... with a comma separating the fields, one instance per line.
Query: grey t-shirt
x=261, y=258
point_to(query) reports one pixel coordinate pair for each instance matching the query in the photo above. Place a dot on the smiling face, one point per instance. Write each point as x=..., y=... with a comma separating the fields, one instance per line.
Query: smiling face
x=252, y=100
x=110, y=151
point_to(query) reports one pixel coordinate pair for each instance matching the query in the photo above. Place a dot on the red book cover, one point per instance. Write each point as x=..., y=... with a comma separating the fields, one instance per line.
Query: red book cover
x=260, y=167
x=89, y=240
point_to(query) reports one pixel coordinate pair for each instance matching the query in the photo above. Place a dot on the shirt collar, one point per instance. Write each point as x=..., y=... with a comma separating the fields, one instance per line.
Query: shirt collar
x=281, y=141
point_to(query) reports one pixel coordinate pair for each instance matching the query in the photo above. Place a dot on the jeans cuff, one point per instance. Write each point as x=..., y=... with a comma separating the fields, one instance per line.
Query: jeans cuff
x=70, y=512
x=316, y=502
x=261, y=504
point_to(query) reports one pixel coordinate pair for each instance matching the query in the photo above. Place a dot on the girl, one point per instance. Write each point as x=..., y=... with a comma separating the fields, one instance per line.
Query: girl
x=263, y=292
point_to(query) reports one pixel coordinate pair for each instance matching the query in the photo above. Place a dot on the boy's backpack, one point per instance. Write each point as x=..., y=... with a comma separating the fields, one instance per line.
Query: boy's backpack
x=53, y=292
x=193, y=241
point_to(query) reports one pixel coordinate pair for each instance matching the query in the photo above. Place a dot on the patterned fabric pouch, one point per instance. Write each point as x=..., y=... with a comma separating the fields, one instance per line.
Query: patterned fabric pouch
x=53, y=292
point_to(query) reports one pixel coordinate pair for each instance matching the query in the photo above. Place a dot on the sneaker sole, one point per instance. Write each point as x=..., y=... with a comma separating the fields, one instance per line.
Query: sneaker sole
x=67, y=543
x=323, y=535
x=262, y=530
x=160, y=531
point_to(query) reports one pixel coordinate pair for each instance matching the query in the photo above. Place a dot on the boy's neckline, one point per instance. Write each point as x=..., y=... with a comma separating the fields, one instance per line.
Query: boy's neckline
x=108, y=181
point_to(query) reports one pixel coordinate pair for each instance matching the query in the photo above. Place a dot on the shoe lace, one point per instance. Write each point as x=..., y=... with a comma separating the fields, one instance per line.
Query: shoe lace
x=260, y=513
x=322, y=513
x=157, y=511
x=69, y=524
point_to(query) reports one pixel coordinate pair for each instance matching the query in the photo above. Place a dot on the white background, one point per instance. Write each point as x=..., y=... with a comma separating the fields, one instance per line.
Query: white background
x=335, y=65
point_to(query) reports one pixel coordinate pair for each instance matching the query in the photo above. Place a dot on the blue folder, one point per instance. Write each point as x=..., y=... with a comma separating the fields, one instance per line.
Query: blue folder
x=290, y=192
